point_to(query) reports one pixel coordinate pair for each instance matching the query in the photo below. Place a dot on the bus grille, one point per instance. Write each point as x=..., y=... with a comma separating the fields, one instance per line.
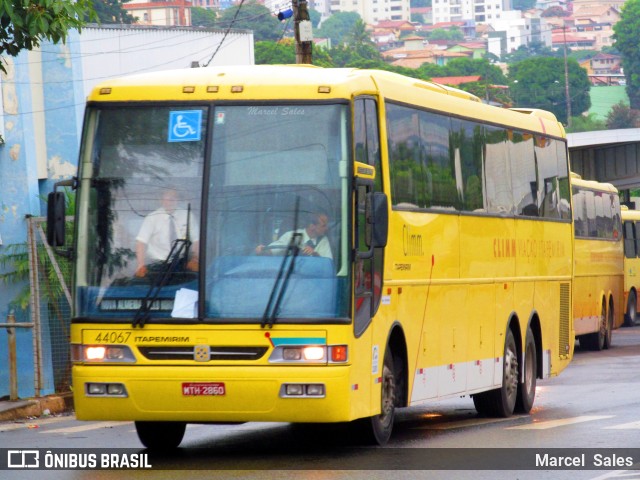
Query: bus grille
x=565, y=316
x=215, y=353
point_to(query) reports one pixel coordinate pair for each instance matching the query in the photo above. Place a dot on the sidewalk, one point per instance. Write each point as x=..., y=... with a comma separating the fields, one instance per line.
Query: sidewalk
x=35, y=407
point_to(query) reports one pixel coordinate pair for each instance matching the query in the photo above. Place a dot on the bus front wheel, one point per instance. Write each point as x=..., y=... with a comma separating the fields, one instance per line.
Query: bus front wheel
x=160, y=435
x=501, y=402
x=377, y=429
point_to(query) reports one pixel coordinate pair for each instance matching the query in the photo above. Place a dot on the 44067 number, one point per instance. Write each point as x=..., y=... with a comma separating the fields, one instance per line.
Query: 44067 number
x=112, y=337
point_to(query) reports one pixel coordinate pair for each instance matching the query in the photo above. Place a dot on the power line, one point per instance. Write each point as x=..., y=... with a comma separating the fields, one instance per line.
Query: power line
x=226, y=33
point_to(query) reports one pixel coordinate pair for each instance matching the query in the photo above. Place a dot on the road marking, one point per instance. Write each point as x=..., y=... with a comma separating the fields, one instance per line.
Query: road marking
x=559, y=423
x=625, y=426
x=86, y=427
x=471, y=422
x=35, y=423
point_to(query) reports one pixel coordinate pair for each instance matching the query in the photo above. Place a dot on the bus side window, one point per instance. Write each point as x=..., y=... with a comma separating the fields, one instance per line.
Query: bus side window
x=635, y=237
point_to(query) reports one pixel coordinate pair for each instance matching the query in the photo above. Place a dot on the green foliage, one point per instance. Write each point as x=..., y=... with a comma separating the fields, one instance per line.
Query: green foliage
x=338, y=26
x=534, y=49
x=539, y=82
x=16, y=268
x=556, y=11
x=271, y=53
x=25, y=24
x=203, y=17
x=586, y=123
x=626, y=33
x=453, y=34
x=621, y=116
x=111, y=11
x=251, y=16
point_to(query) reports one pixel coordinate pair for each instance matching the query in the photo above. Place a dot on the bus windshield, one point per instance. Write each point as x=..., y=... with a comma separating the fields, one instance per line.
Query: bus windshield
x=250, y=229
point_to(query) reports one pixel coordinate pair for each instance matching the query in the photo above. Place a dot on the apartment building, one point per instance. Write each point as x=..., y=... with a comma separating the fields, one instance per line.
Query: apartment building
x=160, y=13
x=374, y=11
x=481, y=11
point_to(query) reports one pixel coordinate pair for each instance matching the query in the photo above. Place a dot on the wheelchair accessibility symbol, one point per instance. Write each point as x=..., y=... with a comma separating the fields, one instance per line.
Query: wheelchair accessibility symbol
x=185, y=126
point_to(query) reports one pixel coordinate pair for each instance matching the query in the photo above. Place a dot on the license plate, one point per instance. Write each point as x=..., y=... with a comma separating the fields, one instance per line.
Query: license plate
x=203, y=388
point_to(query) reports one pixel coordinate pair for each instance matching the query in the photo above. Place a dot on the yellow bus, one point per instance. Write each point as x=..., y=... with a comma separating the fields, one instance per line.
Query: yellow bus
x=440, y=261
x=598, y=282
x=631, y=231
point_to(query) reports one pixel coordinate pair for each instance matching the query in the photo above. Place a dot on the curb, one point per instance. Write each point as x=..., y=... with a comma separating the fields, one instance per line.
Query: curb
x=36, y=407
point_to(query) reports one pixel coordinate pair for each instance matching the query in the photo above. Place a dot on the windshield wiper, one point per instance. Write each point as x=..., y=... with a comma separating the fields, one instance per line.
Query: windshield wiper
x=272, y=309
x=169, y=265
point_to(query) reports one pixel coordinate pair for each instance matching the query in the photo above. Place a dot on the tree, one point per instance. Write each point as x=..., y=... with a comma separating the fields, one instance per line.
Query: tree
x=338, y=26
x=273, y=53
x=626, y=32
x=203, y=17
x=539, y=82
x=586, y=123
x=621, y=116
x=251, y=16
x=25, y=24
x=111, y=11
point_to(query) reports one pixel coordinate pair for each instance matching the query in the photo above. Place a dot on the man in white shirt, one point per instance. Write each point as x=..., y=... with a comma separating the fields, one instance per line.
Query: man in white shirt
x=313, y=241
x=160, y=230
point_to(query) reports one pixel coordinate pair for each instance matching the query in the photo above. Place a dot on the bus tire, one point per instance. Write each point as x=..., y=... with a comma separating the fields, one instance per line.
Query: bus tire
x=501, y=402
x=596, y=340
x=376, y=430
x=632, y=310
x=160, y=435
x=527, y=387
x=609, y=328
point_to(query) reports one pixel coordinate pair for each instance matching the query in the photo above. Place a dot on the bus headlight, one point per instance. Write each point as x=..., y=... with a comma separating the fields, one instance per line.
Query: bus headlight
x=310, y=354
x=102, y=354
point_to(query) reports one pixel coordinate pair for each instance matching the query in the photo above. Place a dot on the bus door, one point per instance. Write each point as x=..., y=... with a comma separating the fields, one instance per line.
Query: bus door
x=371, y=214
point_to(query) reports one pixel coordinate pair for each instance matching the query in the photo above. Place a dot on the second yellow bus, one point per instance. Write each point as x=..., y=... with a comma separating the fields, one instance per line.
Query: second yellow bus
x=598, y=257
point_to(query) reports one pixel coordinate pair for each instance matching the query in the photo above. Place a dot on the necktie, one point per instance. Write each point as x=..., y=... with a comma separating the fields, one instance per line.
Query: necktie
x=172, y=231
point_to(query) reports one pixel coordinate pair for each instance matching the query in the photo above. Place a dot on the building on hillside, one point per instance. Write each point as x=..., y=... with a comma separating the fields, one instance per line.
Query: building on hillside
x=374, y=11
x=475, y=50
x=617, y=4
x=481, y=11
x=560, y=39
x=160, y=13
x=208, y=4
x=604, y=69
x=514, y=30
x=596, y=22
x=44, y=93
x=423, y=15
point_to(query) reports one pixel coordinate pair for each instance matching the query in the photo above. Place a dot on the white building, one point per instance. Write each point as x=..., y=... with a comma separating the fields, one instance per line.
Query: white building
x=513, y=30
x=374, y=11
x=481, y=11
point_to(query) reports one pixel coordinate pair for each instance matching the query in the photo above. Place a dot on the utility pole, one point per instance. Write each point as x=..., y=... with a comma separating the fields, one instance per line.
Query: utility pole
x=566, y=77
x=303, y=31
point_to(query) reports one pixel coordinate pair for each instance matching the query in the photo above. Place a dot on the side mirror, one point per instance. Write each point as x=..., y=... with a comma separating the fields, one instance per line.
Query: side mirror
x=56, y=219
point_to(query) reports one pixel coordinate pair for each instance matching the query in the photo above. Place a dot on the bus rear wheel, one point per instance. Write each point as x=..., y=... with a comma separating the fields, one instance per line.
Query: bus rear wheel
x=527, y=388
x=596, y=340
x=501, y=402
x=377, y=429
x=632, y=310
x=160, y=435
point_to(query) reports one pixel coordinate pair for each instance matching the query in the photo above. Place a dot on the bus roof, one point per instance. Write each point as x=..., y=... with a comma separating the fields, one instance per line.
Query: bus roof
x=628, y=214
x=307, y=82
x=592, y=184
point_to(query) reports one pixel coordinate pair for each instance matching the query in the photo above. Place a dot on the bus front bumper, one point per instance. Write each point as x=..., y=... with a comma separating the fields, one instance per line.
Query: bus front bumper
x=213, y=394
